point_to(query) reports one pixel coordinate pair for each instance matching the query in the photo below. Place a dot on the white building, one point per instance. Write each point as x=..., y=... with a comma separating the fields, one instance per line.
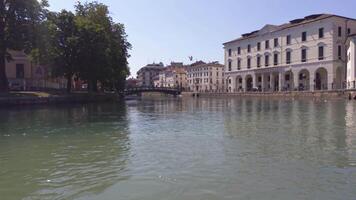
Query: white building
x=351, y=62
x=303, y=54
x=206, y=77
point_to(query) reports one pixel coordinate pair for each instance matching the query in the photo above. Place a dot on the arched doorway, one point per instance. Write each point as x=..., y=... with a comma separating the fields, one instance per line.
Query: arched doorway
x=321, y=79
x=339, y=79
x=288, y=81
x=304, y=80
x=249, y=83
x=238, y=82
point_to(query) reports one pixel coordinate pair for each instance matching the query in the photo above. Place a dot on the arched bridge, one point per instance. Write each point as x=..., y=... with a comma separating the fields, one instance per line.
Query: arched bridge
x=164, y=90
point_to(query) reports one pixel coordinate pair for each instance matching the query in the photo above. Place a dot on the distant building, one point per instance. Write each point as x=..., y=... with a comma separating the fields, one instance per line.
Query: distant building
x=351, y=62
x=174, y=76
x=24, y=75
x=304, y=54
x=146, y=74
x=131, y=83
x=206, y=77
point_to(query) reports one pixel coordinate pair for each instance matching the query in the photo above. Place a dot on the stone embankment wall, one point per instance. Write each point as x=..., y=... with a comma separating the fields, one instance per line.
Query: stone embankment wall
x=68, y=99
x=315, y=94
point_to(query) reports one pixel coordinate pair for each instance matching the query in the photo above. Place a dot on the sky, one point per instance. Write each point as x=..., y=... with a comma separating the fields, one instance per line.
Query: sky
x=172, y=30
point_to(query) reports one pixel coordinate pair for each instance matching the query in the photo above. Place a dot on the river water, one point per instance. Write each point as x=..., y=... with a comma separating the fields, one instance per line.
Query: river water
x=180, y=149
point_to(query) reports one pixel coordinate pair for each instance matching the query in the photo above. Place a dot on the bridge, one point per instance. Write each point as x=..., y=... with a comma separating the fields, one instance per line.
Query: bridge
x=164, y=90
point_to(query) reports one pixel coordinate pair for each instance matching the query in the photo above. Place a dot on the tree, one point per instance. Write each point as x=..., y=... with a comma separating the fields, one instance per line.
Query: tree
x=17, y=23
x=104, y=58
x=64, y=41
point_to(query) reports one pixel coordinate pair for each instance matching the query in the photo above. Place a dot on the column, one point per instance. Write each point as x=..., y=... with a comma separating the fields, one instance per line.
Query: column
x=281, y=81
x=232, y=85
x=295, y=80
x=263, y=85
x=244, y=84
x=254, y=80
x=312, y=81
x=330, y=80
x=271, y=82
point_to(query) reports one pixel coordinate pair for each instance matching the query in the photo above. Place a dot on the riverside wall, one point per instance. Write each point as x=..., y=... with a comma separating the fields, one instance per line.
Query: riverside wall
x=65, y=99
x=294, y=94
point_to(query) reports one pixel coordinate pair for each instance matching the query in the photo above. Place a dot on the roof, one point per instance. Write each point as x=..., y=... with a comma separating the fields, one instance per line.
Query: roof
x=203, y=64
x=296, y=22
x=152, y=67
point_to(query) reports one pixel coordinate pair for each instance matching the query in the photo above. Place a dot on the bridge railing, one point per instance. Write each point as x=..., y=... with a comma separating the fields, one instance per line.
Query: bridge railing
x=153, y=89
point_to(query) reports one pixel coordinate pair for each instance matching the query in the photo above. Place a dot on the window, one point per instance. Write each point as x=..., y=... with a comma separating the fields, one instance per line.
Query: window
x=348, y=31
x=258, y=61
x=238, y=64
x=321, y=33
x=266, y=60
x=275, y=59
x=20, y=71
x=321, y=53
x=230, y=64
x=248, y=48
x=276, y=42
x=304, y=36
x=238, y=50
x=288, y=57
x=230, y=52
x=304, y=55
x=288, y=39
x=339, y=53
x=339, y=31
x=267, y=44
x=248, y=63
x=258, y=46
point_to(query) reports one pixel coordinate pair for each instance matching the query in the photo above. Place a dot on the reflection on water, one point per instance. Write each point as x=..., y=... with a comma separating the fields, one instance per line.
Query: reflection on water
x=51, y=153
x=224, y=148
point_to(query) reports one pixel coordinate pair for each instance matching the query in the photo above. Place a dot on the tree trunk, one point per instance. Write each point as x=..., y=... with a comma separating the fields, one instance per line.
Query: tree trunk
x=4, y=84
x=69, y=83
x=92, y=86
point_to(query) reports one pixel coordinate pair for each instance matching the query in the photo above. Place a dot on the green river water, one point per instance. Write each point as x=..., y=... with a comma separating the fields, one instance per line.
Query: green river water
x=180, y=149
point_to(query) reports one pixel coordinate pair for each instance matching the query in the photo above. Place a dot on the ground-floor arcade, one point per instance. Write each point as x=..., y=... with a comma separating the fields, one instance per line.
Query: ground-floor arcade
x=326, y=76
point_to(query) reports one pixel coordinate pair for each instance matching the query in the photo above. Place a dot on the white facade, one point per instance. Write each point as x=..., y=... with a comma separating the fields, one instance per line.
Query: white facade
x=204, y=77
x=304, y=54
x=351, y=63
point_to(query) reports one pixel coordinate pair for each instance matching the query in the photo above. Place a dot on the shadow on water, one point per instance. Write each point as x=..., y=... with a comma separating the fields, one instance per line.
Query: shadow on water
x=63, y=152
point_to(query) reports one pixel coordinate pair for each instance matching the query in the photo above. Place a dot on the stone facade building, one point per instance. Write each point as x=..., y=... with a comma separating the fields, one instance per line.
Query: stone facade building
x=351, y=62
x=304, y=54
x=206, y=77
x=148, y=73
x=24, y=75
x=173, y=76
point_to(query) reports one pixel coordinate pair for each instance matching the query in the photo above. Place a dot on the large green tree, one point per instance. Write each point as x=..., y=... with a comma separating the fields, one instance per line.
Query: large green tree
x=64, y=45
x=104, y=58
x=18, y=19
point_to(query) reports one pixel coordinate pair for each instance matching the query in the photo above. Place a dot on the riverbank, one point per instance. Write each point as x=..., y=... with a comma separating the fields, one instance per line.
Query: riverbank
x=46, y=98
x=291, y=94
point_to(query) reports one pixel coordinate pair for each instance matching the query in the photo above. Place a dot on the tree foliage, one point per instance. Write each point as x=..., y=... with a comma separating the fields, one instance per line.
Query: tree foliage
x=86, y=44
x=18, y=21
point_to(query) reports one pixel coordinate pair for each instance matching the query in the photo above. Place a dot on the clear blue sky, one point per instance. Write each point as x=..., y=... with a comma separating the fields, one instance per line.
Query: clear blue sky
x=172, y=30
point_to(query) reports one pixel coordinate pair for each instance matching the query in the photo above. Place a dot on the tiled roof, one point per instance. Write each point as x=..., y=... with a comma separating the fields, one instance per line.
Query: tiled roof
x=292, y=23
